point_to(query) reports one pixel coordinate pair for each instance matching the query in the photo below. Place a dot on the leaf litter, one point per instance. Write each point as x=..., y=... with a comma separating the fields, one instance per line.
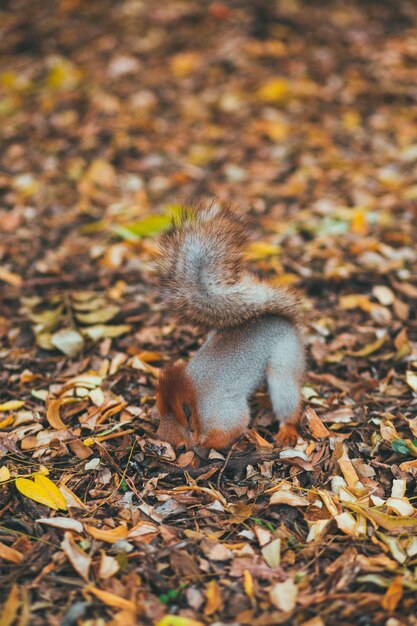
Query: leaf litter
x=113, y=113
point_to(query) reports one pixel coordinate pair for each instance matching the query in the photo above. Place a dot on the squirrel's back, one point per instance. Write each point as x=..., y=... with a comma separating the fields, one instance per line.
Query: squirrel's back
x=203, y=279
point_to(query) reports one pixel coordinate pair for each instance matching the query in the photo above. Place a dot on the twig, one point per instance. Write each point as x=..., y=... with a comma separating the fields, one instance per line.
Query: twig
x=229, y=454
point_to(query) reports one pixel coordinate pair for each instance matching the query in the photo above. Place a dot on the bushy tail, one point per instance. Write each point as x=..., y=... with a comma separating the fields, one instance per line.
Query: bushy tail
x=201, y=272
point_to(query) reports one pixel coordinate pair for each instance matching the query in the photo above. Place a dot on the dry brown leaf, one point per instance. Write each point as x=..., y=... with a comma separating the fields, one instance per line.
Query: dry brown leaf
x=318, y=429
x=80, y=561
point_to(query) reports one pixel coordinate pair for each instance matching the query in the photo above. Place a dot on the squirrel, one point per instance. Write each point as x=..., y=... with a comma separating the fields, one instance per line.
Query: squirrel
x=254, y=334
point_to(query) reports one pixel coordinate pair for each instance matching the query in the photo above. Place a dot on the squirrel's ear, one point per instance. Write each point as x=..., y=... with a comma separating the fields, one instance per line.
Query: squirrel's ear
x=187, y=411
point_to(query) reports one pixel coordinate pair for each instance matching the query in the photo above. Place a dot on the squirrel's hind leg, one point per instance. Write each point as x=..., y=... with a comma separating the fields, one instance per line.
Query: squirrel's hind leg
x=285, y=394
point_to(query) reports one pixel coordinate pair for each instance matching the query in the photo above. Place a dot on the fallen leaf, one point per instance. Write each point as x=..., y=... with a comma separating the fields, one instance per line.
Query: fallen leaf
x=10, y=607
x=318, y=429
x=43, y=490
x=64, y=523
x=393, y=595
x=272, y=553
x=274, y=90
x=389, y=522
x=213, y=597
x=52, y=413
x=284, y=595
x=12, y=405
x=4, y=474
x=286, y=496
x=10, y=277
x=68, y=341
x=108, y=566
x=176, y=620
x=110, y=535
x=10, y=554
x=80, y=561
x=111, y=599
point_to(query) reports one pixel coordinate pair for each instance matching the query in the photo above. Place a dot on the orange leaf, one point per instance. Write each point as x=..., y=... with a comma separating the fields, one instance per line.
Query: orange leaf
x=214, y=598
x=10, y=608
x=111, y=599
x=10, y=554
x=52, y=413
x=393, y=594
x=318, y=429
x=110, y=535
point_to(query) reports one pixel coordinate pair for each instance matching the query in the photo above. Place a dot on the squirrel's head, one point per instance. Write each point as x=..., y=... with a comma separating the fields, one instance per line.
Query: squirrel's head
x=177, y=407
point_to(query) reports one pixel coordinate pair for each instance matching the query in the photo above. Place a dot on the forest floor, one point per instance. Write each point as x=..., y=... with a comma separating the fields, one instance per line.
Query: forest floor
x=111, y=114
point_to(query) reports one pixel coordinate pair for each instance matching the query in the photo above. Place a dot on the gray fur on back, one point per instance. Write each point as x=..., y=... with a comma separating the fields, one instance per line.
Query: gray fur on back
x=232, y=363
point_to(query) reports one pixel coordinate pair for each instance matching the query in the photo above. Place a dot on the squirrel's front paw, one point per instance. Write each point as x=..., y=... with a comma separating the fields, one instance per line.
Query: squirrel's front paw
x=287, y=435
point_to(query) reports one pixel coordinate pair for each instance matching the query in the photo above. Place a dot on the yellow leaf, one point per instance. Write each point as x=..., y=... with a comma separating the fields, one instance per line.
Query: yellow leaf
x=259, y=250
x=351, y=119
x=275, y=90
x=359, y=223
x=63, y=75
x=11, y=405
x=183, y=63
x=176, y=620
x=369, y=349
x=111, y=599
x=43, y=490
x=275, y=130
x=355, y=301
x=248, y=584
x=6, y=422
x=10, y=608
x=4, y=474
x=389, y=522
x=348, y=471
x=214, y=598
x=111, y=535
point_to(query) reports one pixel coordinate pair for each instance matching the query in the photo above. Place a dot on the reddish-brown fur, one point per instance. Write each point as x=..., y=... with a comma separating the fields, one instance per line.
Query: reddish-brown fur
x=219, y=440
x=175, y=387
